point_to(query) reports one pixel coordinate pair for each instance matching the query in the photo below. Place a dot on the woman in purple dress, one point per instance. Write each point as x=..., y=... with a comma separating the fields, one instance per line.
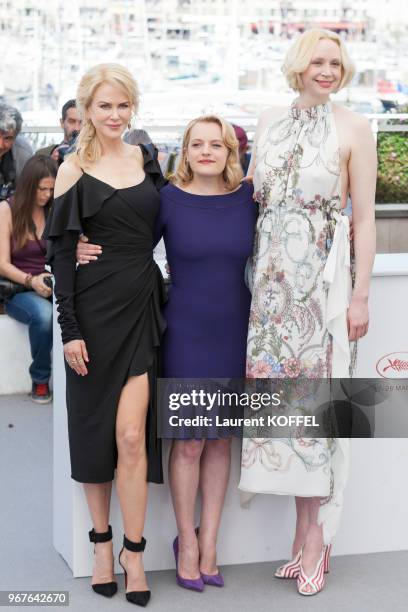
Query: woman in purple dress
x=207, y=219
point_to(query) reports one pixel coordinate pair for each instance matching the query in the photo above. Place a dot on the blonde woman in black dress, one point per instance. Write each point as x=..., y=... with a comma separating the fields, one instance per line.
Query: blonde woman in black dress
x=110, y=318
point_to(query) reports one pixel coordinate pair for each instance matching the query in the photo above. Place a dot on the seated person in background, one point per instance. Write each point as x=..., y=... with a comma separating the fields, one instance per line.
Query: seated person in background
x=71, y=124
x=15, y=150
x=22, y=260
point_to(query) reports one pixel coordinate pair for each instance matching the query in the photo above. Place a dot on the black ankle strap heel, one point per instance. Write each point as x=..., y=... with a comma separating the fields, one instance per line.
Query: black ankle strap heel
x=139, y=598
x=134, y=546
x=107, y=589
x=104, y=536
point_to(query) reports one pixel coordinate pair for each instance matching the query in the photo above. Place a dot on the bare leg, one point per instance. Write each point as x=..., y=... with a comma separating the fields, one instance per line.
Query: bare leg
x=214, y=475
x=131, y=480
x=184, y=476
x=313, y=546
x=98, y=498
x=302, y=524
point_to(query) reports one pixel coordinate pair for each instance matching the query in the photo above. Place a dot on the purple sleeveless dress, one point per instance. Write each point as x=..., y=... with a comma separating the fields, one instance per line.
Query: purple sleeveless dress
x=208, y=240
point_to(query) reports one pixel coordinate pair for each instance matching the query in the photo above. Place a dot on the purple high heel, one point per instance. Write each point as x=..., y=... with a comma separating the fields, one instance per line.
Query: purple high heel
x=216, y=580
x=196, y=584
x=213, y=580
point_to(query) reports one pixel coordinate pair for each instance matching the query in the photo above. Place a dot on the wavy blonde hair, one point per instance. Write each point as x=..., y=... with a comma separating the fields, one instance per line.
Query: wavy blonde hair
x=88, y=148
x=232, y=173
x=300, y=54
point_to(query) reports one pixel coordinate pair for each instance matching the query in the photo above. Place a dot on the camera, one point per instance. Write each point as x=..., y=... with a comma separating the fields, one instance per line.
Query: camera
x=6, y=191
x=47, y=280
x=67, y=148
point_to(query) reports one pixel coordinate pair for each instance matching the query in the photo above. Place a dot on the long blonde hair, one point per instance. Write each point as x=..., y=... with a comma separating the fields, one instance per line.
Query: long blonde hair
x=232, y=173
x=88, y=148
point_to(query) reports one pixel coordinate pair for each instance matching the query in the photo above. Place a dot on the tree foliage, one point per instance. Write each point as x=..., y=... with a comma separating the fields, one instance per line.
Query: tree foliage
x=392, y=151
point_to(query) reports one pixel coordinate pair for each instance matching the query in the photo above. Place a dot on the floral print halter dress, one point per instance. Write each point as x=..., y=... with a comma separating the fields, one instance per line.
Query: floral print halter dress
x=301, y=283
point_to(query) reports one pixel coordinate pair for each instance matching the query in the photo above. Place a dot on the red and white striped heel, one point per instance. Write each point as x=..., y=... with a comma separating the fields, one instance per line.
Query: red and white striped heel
x=290, y=569
x=311, y=585
x=327, y=551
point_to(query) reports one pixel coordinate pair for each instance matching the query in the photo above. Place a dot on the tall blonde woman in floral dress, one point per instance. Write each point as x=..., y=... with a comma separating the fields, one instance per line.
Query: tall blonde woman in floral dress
x=307, y=160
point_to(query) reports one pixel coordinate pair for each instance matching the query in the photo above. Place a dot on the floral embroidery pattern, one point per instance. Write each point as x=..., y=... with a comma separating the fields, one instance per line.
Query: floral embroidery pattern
x=297, y=185
x=297, y=182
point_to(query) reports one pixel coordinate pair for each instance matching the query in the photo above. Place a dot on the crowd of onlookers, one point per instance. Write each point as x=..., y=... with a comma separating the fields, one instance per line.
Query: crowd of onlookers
x=26, y=191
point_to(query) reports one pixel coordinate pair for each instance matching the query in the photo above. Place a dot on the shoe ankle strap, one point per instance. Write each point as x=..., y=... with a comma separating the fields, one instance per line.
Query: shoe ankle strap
x=97, y=538
x=134, y=546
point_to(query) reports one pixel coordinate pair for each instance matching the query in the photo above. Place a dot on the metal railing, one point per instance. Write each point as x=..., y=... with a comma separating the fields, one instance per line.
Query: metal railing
x=162, y=132
x=168, y=135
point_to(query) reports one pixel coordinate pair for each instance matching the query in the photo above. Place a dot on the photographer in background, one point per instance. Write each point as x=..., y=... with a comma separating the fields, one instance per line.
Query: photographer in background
x=25, y=286
x=15, y=150
x=71, y=124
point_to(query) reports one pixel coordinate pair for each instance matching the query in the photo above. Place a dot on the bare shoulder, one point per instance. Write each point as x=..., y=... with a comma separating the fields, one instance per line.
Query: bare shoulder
x=140, y=157
x=135, y=153
x=270, y=115
x=352, y=120
x=267, y=114
x=69, y=173
x=139, y=153
x=5, y=208
x=5, y=212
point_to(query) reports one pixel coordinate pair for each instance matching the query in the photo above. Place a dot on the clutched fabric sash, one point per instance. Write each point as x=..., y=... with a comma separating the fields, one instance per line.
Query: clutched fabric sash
x=338, y=277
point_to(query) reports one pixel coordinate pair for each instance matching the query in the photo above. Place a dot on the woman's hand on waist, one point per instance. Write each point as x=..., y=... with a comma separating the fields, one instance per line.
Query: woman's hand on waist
x=76, y=356
x=87, y=252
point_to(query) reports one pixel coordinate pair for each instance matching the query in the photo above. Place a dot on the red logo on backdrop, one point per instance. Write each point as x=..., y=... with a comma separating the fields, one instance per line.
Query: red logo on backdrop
x=393, y=365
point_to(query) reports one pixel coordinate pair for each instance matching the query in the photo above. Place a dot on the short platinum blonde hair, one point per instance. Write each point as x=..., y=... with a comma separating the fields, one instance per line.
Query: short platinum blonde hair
x=87, y=146
x=232, y=173
x=301, y=52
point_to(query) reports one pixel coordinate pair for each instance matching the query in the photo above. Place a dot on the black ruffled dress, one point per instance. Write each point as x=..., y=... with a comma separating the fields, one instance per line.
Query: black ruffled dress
x=114, y=305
